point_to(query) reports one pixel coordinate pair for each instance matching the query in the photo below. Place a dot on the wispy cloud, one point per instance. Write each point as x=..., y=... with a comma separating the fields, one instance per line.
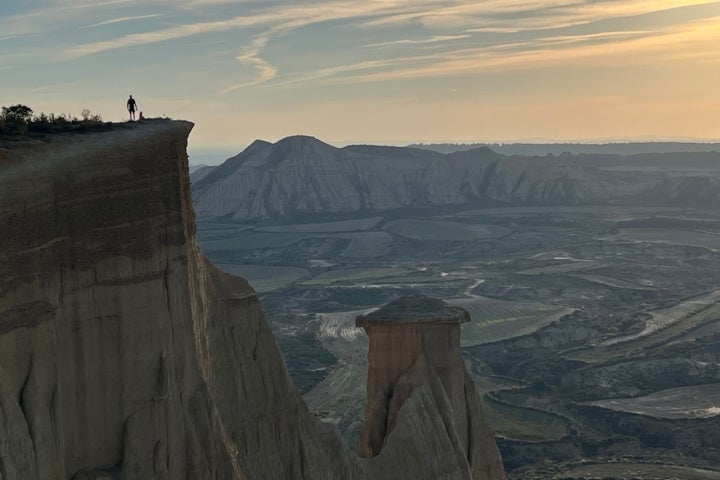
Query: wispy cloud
x=82, y=4
x=53, y=87
x=516, y=15
x=125, y=19
x=250, y=56
x=299, y=15
x=620, y=48
x=615, y=48
x=433, y=39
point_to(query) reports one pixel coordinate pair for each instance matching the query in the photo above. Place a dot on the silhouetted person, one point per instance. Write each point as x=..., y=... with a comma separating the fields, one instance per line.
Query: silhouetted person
x=131, y=106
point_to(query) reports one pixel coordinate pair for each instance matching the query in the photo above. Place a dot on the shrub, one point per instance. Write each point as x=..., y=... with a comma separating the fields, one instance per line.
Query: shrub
x=19, y=120
x=15, y=119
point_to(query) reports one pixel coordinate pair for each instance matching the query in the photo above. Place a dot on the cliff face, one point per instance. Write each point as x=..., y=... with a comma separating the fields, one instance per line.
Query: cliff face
x=304, y=175
x=420, y=398
x=123, y=352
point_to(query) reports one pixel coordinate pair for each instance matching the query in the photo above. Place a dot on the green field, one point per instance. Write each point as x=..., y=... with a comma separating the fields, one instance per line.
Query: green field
x=358, y=225
x=219, y=231
x=264, y=278
x=638, y=471
x=366, y=244
x=697, y=401
x=433, y=230
x=692, y=238
x=361, y=244
x=612, y=282
x=576, y=266
x=493, y=320
x=523, y=424
x=252, y=241
x=352, y=275
x=598, y=210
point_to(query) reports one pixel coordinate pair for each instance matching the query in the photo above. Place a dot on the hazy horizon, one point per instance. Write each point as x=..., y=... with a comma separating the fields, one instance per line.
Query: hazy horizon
x=211, y=157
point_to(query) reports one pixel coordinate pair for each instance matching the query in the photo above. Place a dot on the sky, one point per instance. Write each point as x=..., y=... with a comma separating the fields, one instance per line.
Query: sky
x=374, y=71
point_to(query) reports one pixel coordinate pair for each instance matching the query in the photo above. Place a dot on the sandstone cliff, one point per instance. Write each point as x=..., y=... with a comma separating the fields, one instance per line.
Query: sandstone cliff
x=420, y=398
x=304, y=175
x=123, y=353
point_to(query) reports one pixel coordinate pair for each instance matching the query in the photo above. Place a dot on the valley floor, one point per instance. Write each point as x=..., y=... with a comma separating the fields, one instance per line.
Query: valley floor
x=589, y=323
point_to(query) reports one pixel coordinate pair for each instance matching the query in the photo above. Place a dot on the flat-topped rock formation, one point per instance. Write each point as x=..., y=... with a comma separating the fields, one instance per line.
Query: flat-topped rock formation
x=420, y=398
x=124, y=354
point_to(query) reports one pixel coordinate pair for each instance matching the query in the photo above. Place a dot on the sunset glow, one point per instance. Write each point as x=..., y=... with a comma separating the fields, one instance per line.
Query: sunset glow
x=380, y=71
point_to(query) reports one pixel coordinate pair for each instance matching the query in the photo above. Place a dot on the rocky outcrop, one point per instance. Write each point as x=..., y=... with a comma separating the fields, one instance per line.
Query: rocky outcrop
x=420, y=398
x=302, y=175
x=124, y=354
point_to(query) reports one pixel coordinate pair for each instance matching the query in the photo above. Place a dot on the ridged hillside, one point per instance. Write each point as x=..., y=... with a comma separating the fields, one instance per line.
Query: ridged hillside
x=302, y=175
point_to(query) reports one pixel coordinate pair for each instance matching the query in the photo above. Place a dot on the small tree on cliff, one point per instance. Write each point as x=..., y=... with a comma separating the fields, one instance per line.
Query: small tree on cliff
x=16, y=118
x=17, y=113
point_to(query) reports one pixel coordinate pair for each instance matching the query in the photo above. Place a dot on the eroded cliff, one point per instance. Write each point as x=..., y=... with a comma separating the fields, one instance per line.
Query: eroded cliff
x=123, y=352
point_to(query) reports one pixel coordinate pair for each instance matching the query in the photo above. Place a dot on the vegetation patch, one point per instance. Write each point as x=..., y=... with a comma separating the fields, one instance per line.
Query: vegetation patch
x=20, y=121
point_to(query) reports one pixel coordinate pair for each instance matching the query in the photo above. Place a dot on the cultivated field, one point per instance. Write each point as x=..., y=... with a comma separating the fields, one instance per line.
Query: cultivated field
x=366, y=244
x=662, y=319
x=697, y=401
x=638, y=471
x=358, y=225
x=576, y=266
x=493, y=320
x=354, y=275
x=433, y=230
x=709, y=240
x=523, y=424
x=265, y=278
x=684, y=322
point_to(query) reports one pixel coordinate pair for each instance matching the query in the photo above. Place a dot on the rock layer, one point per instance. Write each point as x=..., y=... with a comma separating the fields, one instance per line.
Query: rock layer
x=423, y=417
x=123, y=352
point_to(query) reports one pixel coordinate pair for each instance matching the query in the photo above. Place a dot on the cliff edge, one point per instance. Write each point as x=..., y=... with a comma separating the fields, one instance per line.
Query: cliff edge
x=124, y=354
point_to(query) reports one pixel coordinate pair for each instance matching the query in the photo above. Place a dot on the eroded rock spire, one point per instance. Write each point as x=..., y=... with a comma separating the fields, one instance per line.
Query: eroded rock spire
x=423, y=417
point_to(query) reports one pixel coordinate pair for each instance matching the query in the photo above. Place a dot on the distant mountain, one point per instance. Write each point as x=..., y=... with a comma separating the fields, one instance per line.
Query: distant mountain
x=630, y=148
x=192, y=168
x=199, y=171
x=302, y=175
